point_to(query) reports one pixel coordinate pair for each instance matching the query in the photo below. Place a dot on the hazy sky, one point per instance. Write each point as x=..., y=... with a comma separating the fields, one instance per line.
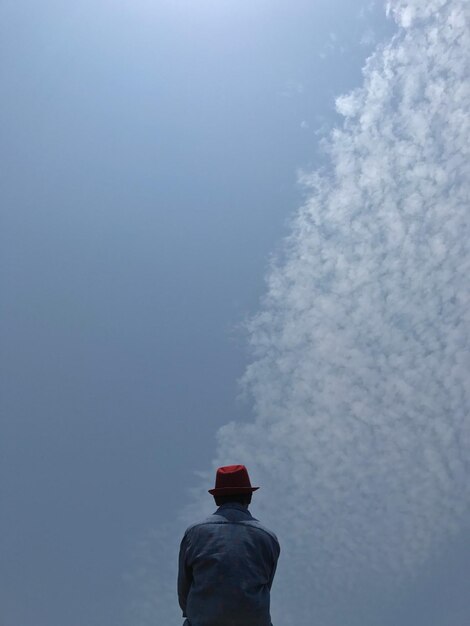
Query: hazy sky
x=202, y=200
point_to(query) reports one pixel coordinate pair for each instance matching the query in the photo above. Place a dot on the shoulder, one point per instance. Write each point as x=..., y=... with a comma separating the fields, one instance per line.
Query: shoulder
x=254, y=523
x=194, y=529
x=211, y=519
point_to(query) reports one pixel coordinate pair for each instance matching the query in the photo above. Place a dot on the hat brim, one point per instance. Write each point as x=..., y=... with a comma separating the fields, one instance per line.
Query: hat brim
x=231, y=491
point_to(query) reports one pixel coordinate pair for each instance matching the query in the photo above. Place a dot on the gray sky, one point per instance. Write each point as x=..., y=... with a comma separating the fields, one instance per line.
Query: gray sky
x=149, y=165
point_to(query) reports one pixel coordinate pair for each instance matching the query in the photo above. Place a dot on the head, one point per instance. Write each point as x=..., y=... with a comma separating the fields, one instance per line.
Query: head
x=241, y=498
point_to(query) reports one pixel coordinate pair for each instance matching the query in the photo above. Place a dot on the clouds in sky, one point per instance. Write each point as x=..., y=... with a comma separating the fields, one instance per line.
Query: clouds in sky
x=361, y=349
x=359, y=375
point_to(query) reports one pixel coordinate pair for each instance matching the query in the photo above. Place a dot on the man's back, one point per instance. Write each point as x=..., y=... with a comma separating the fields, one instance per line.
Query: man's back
x=227, y=564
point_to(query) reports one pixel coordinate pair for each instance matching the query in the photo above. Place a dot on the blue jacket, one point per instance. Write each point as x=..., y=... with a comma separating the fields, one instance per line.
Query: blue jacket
x=227, y=564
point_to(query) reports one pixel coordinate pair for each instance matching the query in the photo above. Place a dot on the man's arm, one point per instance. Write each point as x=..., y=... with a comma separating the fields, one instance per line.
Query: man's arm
x=273, y=571
x=185, y=577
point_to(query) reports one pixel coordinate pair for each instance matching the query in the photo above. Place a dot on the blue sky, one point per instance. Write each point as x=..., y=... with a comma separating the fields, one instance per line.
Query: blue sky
x=197, y=194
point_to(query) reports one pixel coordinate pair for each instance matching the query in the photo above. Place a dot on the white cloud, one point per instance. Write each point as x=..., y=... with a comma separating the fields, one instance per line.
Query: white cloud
x=359, y=378
x=406, y=12
x=361, y=350
x=348, y=104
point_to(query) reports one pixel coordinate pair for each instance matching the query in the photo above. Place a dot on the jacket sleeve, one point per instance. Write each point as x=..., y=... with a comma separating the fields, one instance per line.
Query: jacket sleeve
x=184, y=575
x=273, y=570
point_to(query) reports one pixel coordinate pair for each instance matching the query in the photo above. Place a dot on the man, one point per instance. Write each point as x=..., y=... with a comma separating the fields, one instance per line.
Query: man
x=227, y=562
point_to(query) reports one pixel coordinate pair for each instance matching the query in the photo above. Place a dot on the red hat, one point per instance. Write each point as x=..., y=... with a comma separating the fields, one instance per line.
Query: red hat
x=232, y=479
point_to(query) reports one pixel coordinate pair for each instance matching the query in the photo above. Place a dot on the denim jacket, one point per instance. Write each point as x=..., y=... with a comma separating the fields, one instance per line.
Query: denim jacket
x=227, y=564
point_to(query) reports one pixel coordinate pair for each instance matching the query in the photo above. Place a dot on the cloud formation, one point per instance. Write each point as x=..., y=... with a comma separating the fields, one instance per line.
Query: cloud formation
x=361, y=349
x=359, y=377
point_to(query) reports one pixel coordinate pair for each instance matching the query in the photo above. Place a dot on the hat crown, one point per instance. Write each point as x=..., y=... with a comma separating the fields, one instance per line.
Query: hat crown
x=232, y=479
x=232, y=476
